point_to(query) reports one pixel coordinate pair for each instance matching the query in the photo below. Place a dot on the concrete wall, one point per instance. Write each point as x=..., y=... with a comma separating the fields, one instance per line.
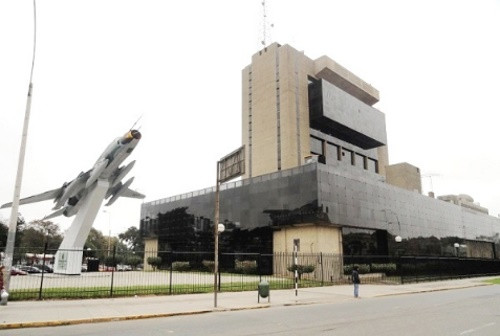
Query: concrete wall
x=404, y=175
x=313, y=239
x=150, y=250
x=275, y=114
x=275, y=107
x=356, y=201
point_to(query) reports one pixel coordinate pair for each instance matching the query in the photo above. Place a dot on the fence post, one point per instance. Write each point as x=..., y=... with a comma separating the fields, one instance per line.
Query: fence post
x=113, y=263
x=259, y=269
x=321, y=266
x=295, y=263
x=43, y=271
x=171, y=270
x=218, y=282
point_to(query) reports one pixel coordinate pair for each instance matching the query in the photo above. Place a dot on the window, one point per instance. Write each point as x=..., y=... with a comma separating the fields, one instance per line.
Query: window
x=348, y=156
x=296, y=242
x=332, y=152
x=372, y=165
x=359, y=161
x=316, y=145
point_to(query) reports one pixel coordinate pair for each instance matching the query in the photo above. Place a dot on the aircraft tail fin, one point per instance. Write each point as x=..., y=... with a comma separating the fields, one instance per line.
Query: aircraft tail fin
x=55, y=214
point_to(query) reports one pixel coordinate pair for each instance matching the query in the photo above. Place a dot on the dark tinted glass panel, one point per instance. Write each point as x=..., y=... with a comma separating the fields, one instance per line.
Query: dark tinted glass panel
x=249, y=212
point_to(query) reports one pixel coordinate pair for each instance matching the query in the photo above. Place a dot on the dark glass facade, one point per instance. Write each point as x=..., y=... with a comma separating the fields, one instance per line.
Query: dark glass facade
x=371, y=213
x=250, y=209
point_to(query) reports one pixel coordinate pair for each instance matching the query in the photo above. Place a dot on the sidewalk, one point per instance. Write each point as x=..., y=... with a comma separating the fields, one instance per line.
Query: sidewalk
x=29, y=314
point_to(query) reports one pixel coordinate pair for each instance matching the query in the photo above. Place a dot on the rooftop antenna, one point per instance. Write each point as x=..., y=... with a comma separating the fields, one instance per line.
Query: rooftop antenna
x=430, y=176
x=266, y=28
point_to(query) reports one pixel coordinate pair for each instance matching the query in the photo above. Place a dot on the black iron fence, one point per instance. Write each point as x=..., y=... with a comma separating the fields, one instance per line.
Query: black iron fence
x=406, y=269
x=111, y=273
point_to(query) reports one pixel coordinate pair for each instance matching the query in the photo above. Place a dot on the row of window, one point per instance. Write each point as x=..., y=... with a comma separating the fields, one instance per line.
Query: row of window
x=331, y=151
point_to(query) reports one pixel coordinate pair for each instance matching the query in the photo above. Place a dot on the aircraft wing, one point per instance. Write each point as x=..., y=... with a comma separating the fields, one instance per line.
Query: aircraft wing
x=132, y=194
x=48, y=195
x=122, y=190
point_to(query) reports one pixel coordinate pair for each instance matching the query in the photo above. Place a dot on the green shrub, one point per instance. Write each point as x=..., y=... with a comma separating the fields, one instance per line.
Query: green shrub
x=383, y=268
x=209, y=265
x=111, y=261
x=301, y=269
x=132, y=261
x=181, y=266
x=245, y=266
x=362, y=268
x=155, y=262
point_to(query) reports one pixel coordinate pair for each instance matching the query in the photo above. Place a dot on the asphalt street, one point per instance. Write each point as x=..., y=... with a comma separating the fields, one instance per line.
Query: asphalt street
x=466, y=311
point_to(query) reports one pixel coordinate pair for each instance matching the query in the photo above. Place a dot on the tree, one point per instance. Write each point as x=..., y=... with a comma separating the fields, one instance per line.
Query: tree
x=133, y=261
x=97, y=243
x=38, y=232
x=112, y=261
x=4, y=230
x=155, y=262
x=301, y=269
x=132, y=238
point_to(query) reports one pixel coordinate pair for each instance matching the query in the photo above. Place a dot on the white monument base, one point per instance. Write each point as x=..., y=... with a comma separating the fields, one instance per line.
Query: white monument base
x=68, y=258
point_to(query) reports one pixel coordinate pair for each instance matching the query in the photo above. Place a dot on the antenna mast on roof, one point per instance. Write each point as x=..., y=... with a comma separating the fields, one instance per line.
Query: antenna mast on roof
x=265, y=27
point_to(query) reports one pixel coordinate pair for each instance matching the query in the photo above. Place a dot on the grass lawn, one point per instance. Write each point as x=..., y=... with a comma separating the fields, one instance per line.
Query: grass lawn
x=494, y=281
x=103, y=292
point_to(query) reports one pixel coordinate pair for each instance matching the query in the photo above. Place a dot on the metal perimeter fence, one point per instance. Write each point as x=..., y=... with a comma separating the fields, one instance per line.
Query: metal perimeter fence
x=111, y=273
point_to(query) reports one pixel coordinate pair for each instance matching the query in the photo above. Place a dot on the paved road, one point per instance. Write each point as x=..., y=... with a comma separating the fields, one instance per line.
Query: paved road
x=467, y=311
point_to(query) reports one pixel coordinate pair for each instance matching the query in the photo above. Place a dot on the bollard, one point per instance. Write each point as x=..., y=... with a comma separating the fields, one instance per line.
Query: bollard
x=4, y=296
x=263, y=291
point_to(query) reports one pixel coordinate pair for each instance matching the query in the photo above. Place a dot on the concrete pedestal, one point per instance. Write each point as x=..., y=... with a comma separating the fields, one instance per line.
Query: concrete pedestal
x=68, y=258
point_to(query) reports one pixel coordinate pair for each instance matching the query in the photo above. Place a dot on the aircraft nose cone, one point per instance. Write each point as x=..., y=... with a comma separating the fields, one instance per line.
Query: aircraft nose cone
x=136, y=134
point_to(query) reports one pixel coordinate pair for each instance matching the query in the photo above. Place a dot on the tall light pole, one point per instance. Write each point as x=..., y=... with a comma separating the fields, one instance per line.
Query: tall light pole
x=457, y=249
x=398, y=238
x=11, y=236
x=216, y=234
x=109, y=229
x=229, y=167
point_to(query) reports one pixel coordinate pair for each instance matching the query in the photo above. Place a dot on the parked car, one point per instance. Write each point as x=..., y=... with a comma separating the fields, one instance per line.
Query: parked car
x=123, y=267
x=29, y=269
x=45, y=268
x=17, y=271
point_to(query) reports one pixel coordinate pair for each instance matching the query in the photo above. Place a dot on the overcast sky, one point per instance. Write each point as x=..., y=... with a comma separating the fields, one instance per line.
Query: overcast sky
x=101, y=64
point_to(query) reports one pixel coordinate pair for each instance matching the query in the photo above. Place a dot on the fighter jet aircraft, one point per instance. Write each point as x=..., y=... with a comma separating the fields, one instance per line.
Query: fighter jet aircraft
x=69, y=198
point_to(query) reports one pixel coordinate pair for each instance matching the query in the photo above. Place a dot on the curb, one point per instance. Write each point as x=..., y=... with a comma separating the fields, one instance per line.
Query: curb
x=435, y=289
x=40, y=324
x=57, y=323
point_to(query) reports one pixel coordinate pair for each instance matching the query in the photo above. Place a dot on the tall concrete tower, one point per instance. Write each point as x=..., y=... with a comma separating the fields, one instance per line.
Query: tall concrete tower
x=280, y=128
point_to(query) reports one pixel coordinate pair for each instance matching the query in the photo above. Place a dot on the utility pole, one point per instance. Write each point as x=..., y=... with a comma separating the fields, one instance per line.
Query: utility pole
x=229, y=167
x=109, y=229
x=11, y=236
x=216, y=235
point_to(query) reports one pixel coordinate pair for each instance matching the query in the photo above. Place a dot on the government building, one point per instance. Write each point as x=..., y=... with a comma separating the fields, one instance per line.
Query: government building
x=317, y=176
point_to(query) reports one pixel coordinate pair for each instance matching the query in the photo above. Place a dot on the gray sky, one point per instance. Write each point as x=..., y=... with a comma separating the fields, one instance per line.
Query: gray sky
x=101, y=64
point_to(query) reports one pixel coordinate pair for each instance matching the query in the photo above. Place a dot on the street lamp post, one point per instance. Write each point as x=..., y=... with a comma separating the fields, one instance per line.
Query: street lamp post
x=398, y=238
x=11, y=233
x=109, y=229
x=216, y=234
x=229, y=167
